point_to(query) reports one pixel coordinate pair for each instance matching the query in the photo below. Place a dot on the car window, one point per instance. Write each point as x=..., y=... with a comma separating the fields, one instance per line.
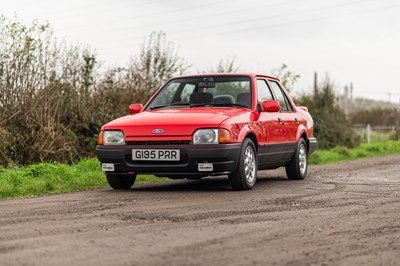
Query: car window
x=281, y=97
x=263, y=91
x=219, y=91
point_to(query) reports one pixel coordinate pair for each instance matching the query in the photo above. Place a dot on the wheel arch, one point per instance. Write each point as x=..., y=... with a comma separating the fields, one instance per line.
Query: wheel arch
x=301, y=129
x=247, y=132
x=303, y=135
x=253, y=138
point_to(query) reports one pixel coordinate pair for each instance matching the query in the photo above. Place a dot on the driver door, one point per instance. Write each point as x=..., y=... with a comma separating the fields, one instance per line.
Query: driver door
x=273, y=132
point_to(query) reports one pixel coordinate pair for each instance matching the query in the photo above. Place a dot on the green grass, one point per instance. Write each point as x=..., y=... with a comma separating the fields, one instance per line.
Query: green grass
x=54, y=178
x=365, y=150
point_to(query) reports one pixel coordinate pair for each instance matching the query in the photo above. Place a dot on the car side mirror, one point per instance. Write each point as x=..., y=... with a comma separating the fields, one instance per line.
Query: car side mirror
x=135, y=108
x=270, y=106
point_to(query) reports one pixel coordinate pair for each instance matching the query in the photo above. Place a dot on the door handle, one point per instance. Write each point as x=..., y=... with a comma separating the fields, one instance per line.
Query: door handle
x=281, y=121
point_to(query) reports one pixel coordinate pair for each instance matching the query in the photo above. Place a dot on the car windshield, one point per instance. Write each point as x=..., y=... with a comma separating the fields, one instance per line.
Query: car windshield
x=215, y=91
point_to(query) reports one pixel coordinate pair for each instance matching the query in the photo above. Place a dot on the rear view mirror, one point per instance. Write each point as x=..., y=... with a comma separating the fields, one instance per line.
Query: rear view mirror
x=270, y=106
x=135, y=108
x=206, y=85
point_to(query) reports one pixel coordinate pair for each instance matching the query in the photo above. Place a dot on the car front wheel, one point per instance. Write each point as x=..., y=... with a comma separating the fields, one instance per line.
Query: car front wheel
x=121, y=180
x=296, y=169
x=245, y=175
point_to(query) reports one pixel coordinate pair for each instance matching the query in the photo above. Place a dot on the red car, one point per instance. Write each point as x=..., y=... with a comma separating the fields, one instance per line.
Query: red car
x=208, y=125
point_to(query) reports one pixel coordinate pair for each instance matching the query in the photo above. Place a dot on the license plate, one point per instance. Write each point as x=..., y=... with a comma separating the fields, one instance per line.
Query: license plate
x=107, y=167
x=205, y=167
x=155, y=155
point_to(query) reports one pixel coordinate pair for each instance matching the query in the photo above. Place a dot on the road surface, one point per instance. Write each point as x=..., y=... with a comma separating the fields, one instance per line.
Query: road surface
x=342, y=214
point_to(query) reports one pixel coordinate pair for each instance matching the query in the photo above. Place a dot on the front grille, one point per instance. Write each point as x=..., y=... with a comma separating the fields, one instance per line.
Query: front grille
x=154, y=143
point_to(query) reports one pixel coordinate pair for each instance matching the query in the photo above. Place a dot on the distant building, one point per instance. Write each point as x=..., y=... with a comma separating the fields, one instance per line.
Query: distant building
x=351, y=105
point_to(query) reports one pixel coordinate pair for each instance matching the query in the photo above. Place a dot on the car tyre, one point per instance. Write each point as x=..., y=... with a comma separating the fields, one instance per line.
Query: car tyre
x=296, y=169
x=121, y=181
x=245, y=175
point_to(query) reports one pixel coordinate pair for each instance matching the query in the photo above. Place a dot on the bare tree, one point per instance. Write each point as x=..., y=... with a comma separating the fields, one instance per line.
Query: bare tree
x=157, y=61
x=287, y=77
x=227, y=65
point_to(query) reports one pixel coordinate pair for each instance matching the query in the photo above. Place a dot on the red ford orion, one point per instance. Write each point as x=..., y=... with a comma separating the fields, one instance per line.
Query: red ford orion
x=209, y=125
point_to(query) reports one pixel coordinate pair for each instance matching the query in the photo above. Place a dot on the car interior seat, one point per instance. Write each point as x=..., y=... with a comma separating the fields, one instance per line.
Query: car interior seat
x=201, y=98
x=243, y=99
x=223, y=99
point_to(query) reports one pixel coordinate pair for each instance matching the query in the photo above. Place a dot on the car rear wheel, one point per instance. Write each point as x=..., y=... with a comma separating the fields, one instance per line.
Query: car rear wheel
x=296, y=169
x=245, y=175
x=121, y=180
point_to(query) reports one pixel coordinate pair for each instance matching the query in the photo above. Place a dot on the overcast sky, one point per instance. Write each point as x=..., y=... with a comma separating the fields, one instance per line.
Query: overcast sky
x=352, y=40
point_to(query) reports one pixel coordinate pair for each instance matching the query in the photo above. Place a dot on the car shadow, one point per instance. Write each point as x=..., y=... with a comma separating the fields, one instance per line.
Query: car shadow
x=209, y=184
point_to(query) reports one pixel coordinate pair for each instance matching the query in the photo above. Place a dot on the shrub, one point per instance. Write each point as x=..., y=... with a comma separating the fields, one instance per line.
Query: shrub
x=342, y=151
x=53, y=100
x=7, y=142
x=377, y=117
x=331, y=126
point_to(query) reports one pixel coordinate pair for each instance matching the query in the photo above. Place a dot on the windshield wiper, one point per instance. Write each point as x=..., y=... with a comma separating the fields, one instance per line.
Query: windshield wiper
x=239, y=105
x=231, y=104
x=201, y=105
x=167, y=105
x=158, y=107
x=220, y=105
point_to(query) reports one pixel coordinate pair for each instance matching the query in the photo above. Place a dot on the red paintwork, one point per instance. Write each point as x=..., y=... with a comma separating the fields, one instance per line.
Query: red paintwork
x=181, y=123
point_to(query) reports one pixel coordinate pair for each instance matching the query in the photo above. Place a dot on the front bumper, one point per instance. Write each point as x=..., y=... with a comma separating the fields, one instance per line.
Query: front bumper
x=224, y=158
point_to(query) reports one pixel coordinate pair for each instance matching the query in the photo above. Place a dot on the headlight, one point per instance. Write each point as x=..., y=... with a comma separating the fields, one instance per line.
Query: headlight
x=205, y=136
x=113, y=137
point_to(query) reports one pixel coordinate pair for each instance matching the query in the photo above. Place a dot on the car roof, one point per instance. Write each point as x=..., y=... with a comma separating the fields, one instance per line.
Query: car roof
x=254, y=75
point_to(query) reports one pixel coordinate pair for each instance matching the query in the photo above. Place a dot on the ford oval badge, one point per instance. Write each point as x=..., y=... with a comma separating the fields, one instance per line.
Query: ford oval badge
x=158, y=131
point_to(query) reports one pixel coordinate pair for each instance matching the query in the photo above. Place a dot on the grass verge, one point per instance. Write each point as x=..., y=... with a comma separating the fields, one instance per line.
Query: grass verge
x=365, y=150
x=54, y=178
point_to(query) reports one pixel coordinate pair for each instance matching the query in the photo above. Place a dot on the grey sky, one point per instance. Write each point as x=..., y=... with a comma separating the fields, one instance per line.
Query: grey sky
x=354, y=41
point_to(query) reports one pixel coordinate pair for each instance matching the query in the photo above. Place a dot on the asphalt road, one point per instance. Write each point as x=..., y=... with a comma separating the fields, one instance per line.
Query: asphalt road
x=342, y=214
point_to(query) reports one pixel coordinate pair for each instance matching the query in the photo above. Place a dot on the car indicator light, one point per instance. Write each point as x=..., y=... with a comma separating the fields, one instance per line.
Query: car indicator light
x=100, y=138
x=224, y=136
